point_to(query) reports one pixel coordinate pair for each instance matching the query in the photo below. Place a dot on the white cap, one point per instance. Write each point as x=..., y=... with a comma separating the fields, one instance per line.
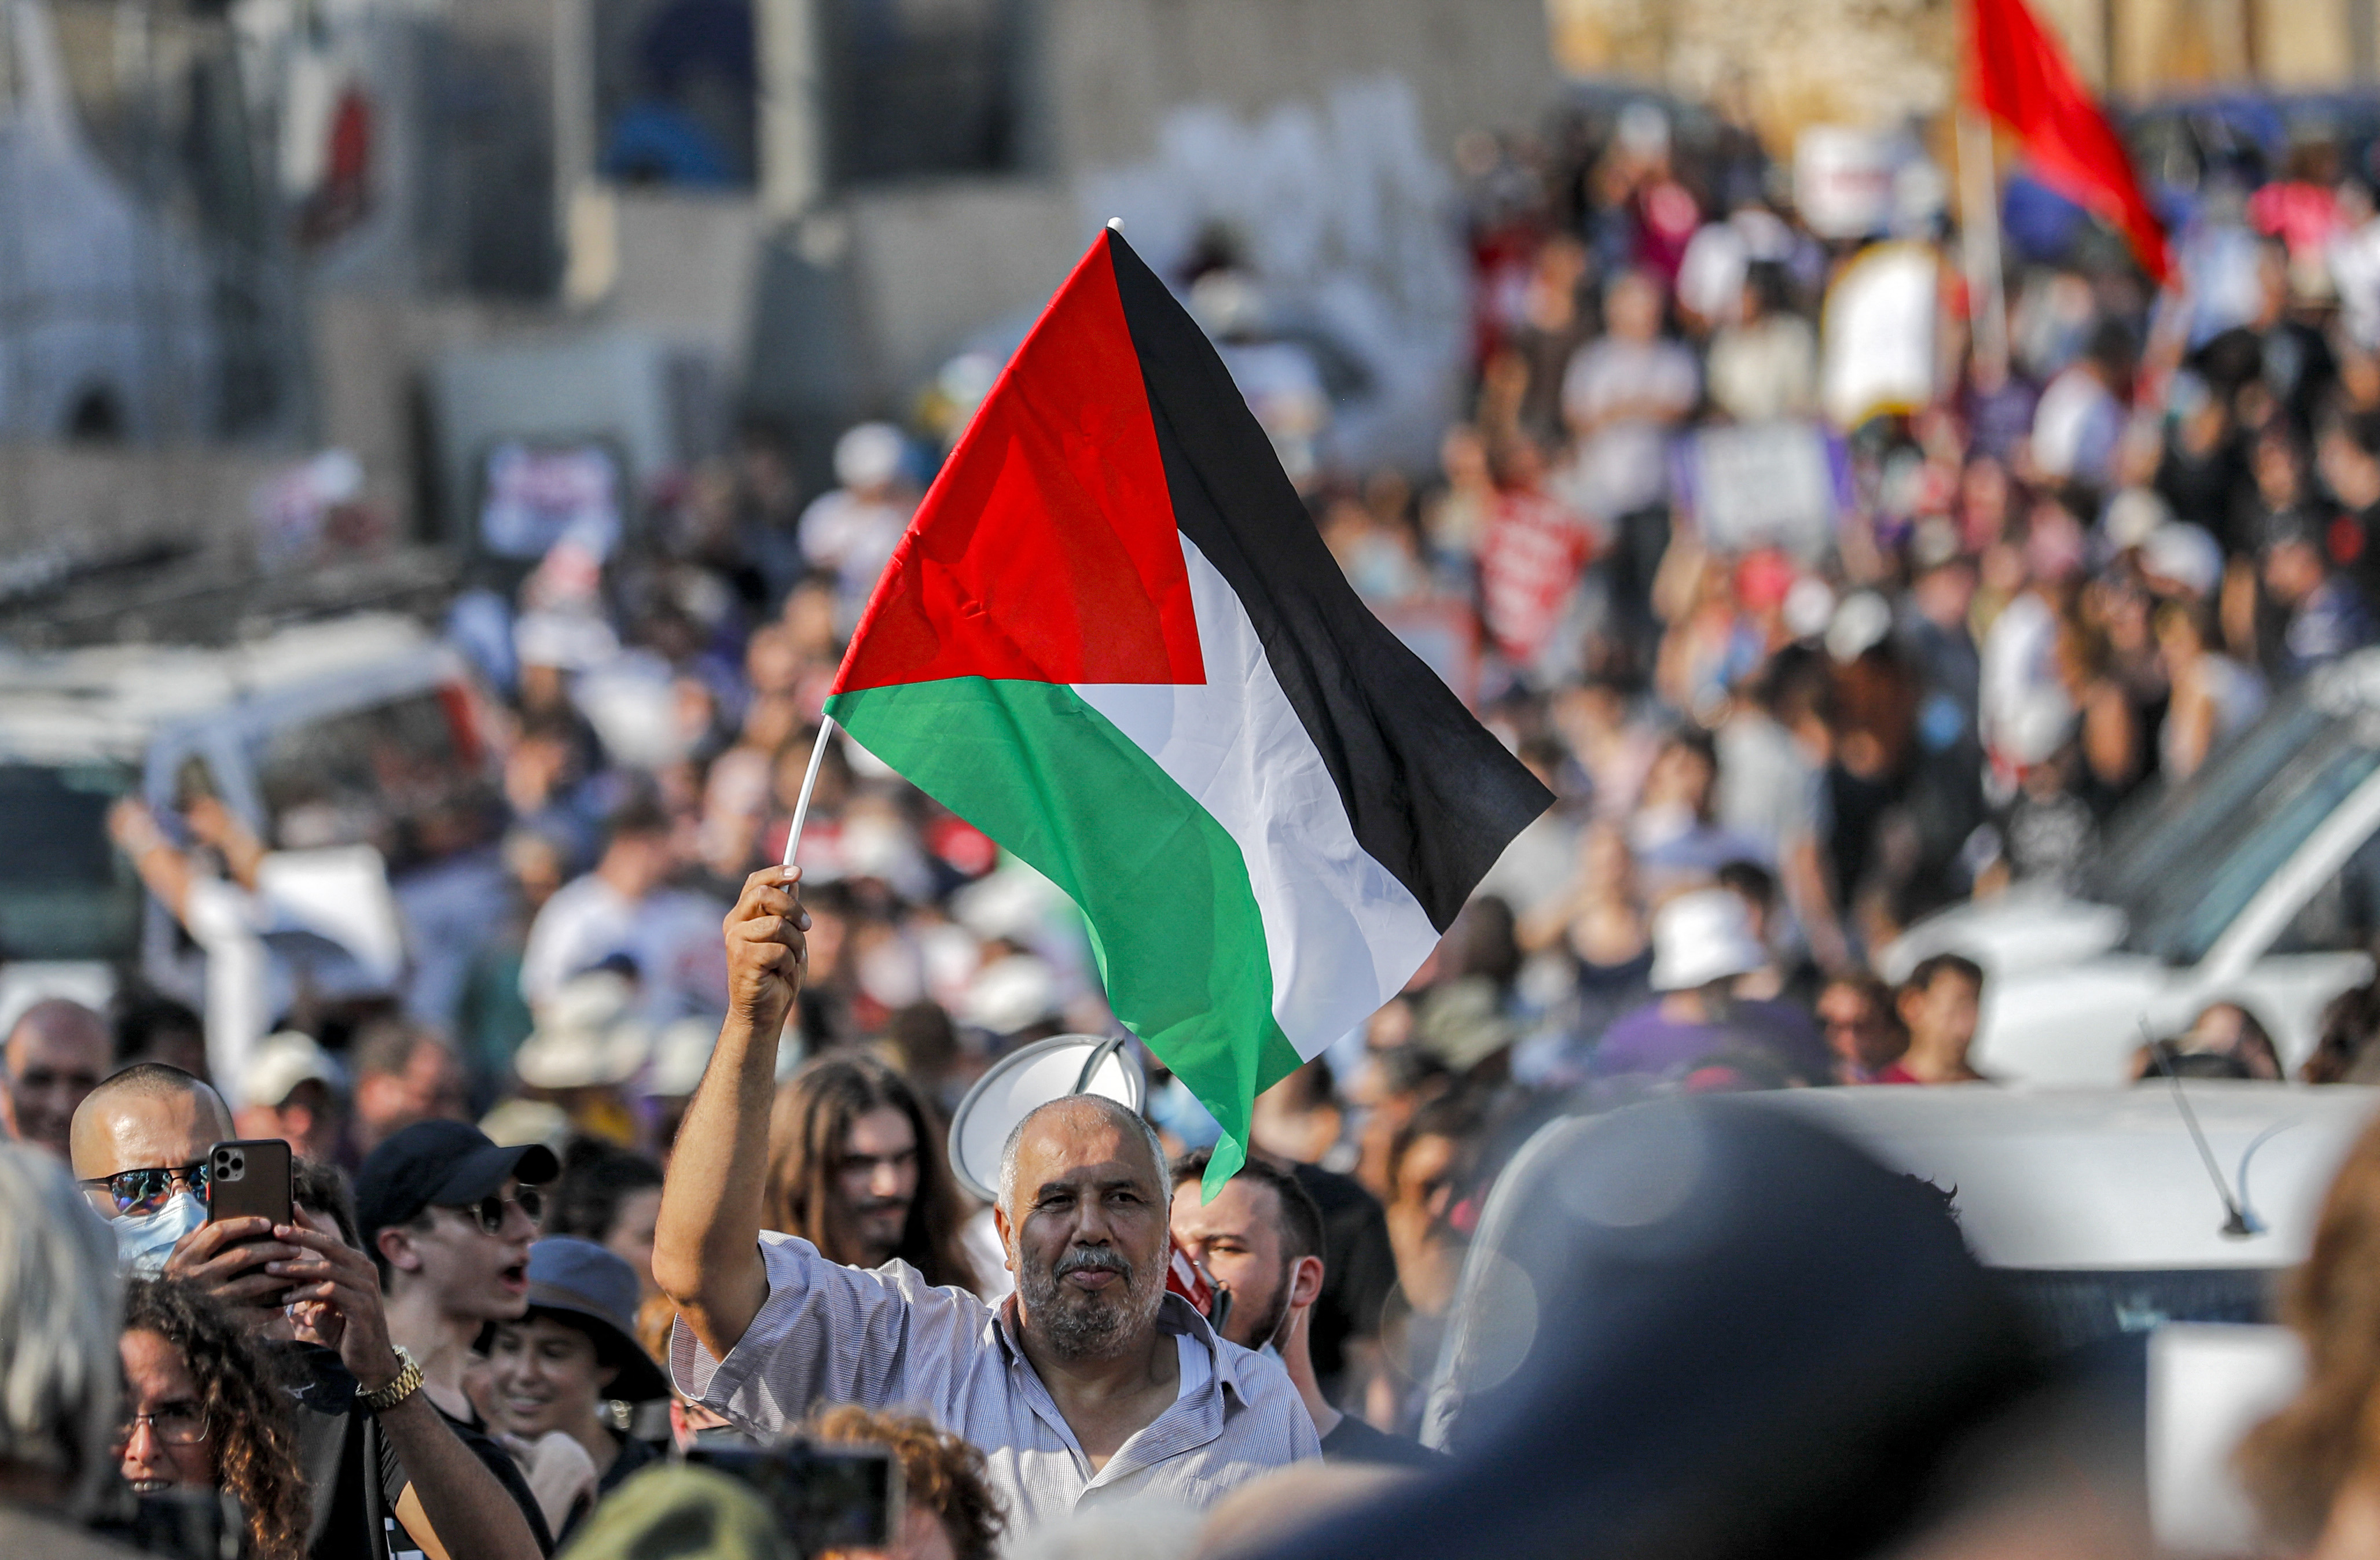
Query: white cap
x=870, y=456
x=1809, y=607
x=2134, y=515
x=573, y=641
x=1702, y=937
x=1643, y=128
x=2035, y=726
x=515, y=1123
x=280, y=1063
x=2186, y=554
x=585, y=1035
x=1860, y=623
x=1021, y=1083
x=1009, y=993
x=679, y=1056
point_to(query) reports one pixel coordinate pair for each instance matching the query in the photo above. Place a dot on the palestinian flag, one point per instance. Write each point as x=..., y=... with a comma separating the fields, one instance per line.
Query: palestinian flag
x=1114, y=641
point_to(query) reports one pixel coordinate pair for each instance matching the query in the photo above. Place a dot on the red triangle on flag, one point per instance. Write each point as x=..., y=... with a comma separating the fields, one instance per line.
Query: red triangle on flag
x=1047, y=550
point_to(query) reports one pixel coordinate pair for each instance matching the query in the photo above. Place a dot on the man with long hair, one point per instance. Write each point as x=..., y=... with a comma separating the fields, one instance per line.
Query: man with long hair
x=856, y=1169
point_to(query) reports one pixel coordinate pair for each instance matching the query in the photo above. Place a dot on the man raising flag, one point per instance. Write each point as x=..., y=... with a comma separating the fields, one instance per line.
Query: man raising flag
x=1112, y=640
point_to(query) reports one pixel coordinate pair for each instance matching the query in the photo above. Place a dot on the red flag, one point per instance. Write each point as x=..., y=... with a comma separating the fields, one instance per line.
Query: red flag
x=2019, y=76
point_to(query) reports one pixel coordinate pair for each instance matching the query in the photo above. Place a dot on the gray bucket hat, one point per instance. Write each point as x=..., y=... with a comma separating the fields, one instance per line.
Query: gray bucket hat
x=589, y=1288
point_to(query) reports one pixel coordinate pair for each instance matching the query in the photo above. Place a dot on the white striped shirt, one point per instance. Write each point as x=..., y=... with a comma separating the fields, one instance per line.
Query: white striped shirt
x=829, y=1334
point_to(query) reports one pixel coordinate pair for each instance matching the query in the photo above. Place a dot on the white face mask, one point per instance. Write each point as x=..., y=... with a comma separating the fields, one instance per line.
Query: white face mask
x=142, y=1244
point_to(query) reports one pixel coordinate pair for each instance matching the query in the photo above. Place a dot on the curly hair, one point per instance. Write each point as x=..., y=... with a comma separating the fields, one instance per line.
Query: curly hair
x=939, y=1471
x=807, y=1127
x=256, y=1449
x=2295, y=1463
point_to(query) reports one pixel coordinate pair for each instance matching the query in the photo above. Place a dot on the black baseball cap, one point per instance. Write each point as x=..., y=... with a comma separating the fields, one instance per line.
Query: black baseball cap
x=441, y=1165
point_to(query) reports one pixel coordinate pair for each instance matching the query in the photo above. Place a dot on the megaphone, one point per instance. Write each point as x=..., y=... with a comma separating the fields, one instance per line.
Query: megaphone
x=1023, y=1081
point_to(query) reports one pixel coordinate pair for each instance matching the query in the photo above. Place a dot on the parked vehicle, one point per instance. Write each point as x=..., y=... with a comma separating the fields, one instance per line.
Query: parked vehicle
x=2097, y=1207
x=2257, y=881
x=325, y=734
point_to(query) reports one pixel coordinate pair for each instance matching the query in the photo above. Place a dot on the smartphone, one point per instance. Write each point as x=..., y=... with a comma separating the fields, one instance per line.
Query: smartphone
x=826, y=1494
x=248, y=1179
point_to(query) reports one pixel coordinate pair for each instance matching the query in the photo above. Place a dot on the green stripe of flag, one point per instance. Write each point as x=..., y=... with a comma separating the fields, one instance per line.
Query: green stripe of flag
x=1174, y=923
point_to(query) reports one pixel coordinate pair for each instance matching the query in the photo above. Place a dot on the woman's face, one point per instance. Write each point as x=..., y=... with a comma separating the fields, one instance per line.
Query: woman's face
x=170, y=1444
x=546, y=1376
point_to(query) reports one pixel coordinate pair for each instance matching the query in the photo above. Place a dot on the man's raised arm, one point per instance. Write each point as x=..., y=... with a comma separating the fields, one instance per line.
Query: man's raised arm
x=706, y=1244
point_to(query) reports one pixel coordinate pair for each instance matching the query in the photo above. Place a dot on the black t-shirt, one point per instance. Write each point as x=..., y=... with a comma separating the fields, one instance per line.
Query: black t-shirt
x=484, y=1446
x=635, y=1457
x=1359, y=1270
x=330, y=1448
x=1350, y=1440
x=338, y=1439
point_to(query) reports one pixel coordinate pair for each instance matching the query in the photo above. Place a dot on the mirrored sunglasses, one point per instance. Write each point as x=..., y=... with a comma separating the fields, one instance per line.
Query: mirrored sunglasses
x=135, y=1192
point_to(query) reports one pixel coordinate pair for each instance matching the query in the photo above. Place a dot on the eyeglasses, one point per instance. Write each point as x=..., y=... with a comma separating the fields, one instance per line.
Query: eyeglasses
x=177, y=1424
x=489, y=1211
x=146, y=1191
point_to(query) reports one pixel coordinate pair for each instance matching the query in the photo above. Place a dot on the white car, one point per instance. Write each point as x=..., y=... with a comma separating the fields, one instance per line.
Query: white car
x=2098, y=1208
x=2257, y=881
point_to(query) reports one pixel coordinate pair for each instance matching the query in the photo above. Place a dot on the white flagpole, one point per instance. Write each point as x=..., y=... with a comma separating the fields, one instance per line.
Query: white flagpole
x=1979, y=243
x=810, y=779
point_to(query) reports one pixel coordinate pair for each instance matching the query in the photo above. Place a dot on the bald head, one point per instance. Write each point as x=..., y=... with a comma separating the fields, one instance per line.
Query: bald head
x=1064, y=1124
x=148, y=1116
x=56, y=1053
x=1082, y=1217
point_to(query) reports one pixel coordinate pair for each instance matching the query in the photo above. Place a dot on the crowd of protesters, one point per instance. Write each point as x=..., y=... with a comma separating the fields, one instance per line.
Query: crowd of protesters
x=2050, y=587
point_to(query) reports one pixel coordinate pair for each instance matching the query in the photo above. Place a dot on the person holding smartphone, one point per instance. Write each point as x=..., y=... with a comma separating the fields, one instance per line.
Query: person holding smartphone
x=143, y=1146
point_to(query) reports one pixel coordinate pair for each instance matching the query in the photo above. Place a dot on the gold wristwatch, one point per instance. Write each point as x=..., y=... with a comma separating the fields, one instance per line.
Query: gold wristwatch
x=407, y=1383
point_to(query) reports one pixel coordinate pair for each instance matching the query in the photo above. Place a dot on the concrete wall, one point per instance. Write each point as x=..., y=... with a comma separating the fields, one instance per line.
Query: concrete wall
x=1114, y=67
x=934, y=264
x=682, y=269
x=94, y=503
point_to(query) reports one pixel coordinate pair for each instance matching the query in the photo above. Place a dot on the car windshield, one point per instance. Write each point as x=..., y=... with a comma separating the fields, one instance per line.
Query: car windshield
x=64, y=893
x=372, y=774
x=2183, y=862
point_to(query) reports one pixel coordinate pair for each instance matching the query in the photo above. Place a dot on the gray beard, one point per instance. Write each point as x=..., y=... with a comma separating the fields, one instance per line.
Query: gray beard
x=1078, y=1325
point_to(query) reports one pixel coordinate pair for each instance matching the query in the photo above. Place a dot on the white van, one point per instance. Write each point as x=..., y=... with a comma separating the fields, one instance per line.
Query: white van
x=2257, y=881
x=317, y=735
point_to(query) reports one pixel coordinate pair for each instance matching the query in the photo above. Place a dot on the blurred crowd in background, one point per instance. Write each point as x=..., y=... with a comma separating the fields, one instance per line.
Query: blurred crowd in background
x=2033, y=592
